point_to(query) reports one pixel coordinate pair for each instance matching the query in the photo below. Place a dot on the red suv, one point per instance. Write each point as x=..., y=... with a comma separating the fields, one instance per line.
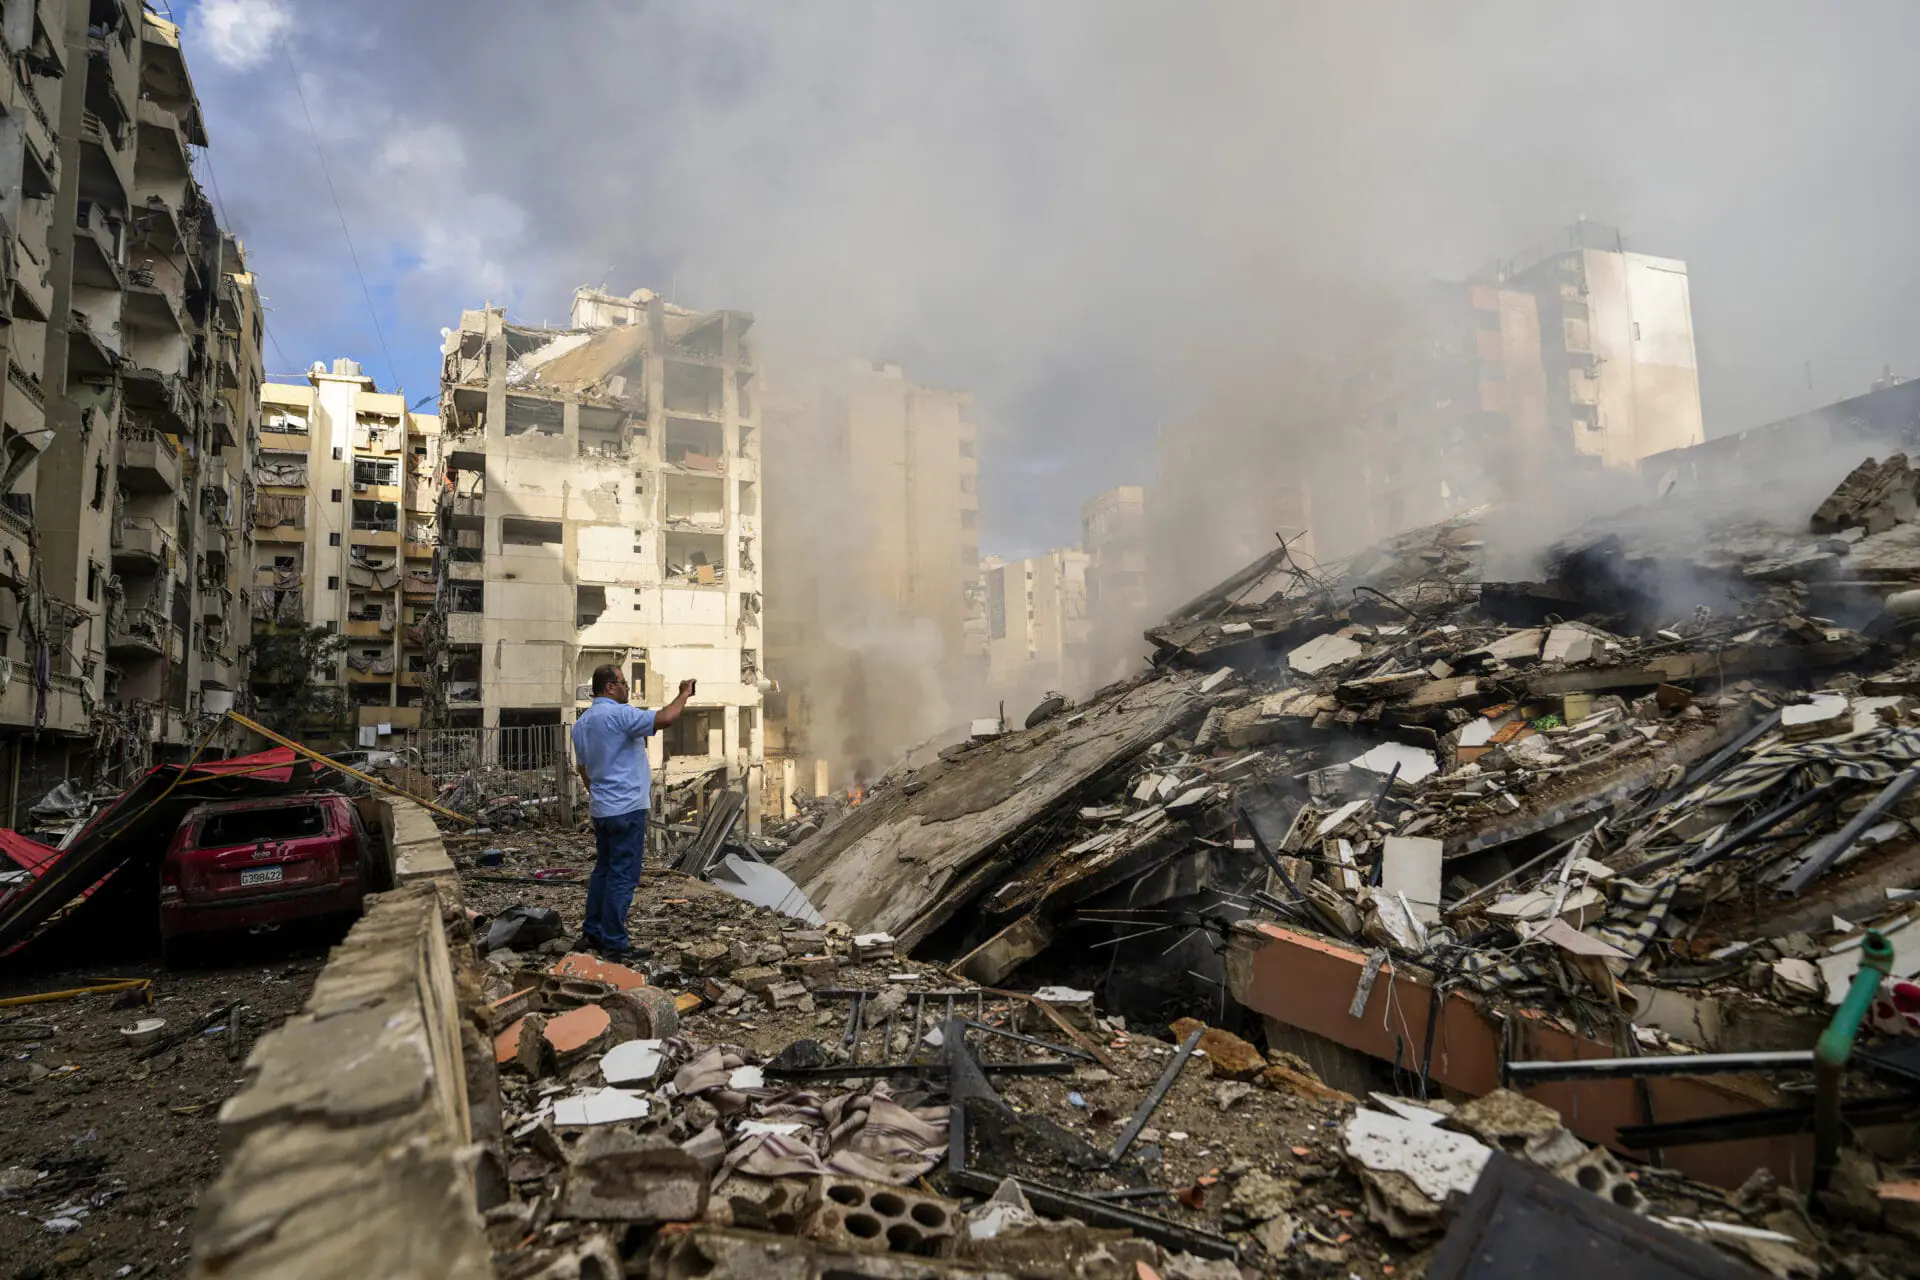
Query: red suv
x=248, y=863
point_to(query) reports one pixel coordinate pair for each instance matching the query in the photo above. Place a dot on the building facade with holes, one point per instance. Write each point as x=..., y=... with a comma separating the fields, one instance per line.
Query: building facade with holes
x=347, y=486
x=131, y=331
x=602, y=506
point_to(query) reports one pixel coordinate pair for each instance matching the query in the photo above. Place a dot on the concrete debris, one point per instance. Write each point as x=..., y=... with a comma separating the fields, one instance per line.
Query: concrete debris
x=1383, y=820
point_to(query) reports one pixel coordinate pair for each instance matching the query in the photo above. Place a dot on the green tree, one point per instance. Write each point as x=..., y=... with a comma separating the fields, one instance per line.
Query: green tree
x=293, y=668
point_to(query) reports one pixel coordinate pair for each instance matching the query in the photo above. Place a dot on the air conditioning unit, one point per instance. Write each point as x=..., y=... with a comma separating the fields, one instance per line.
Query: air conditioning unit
x=360, y=488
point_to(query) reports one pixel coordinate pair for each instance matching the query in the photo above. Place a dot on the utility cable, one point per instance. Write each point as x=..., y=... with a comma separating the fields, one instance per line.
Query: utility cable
x=373, y=311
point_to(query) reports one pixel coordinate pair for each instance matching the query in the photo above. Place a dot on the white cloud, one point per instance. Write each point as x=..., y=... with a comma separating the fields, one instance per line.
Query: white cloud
x=240, y=33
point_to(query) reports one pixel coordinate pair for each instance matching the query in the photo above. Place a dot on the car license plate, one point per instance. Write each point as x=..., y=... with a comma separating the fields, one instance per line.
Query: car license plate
x=263, y=875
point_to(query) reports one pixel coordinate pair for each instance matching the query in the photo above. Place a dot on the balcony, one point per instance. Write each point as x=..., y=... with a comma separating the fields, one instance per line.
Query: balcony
x=32, y=284
x=106, y=171
x=15, y=554
x=40, y=174
x=149, y=461
x=159, y=395
x=151, y=302
x=140, y=545
x=162, y=142
x=96, y=256
x=367, y=628
x=220, y=415
x=398, y=718
x=90, y=353
x=139, y=632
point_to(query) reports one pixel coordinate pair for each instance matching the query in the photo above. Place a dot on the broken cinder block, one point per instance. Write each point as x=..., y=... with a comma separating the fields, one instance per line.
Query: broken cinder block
x=618, y=1176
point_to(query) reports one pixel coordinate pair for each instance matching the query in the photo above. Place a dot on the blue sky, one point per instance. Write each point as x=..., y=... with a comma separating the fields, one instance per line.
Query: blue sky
x=1101, y=215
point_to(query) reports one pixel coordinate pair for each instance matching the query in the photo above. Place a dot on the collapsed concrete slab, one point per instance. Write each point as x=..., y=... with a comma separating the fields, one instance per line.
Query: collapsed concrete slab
x=912, y=857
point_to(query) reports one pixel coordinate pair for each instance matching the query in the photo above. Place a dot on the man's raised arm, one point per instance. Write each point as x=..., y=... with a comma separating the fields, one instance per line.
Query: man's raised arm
x=666, y=715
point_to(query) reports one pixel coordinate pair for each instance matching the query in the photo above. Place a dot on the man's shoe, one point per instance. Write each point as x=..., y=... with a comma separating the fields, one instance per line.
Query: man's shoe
x=585, y=943
x=630, y=955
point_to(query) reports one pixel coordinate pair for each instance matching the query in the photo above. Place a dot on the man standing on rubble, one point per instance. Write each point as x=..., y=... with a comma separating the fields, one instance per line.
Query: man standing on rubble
x=610, y=753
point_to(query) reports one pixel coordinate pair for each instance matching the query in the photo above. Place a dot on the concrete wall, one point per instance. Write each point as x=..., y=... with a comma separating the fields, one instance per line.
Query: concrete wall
x=349, y=1151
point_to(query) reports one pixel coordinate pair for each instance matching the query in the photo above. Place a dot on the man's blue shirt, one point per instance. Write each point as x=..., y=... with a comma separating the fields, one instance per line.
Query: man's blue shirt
x=610, y=740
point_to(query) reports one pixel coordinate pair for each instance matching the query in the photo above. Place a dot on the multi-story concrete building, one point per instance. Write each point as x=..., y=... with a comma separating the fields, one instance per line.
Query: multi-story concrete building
x=873, y=569
x=602, y=505
x=346, y=525
x=1037, y=625
x=1616, y=342
x=132, y=347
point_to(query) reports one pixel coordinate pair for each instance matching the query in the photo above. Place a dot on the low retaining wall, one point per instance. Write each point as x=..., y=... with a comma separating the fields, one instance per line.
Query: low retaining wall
x=351, y=1150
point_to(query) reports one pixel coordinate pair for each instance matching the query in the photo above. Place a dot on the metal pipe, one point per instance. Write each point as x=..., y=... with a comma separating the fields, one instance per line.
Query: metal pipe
x=1673, y=1064
x=1150, y=1103
x=1825, y=852
x=1835, y=1046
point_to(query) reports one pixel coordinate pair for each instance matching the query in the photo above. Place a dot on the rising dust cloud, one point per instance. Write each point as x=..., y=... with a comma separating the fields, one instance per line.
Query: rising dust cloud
x=1127, y=224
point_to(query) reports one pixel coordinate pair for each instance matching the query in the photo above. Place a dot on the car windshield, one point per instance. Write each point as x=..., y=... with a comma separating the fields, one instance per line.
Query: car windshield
x=250, y=826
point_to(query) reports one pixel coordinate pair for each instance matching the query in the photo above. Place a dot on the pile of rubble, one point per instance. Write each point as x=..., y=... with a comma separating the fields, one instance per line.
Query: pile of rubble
x=1656, y=798
x=775, y=1095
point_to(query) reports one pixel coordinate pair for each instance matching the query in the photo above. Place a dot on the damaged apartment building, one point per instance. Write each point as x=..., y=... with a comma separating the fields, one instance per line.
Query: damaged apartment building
x=345, y=529
x=1574, y=357
x=601, y=505
x=132, y=330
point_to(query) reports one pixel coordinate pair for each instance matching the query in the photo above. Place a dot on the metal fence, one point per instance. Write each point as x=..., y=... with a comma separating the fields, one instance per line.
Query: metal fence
x=502, y=776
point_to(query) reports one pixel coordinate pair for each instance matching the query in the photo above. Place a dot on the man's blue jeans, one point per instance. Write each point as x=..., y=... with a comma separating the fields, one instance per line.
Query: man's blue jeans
x=619, y=842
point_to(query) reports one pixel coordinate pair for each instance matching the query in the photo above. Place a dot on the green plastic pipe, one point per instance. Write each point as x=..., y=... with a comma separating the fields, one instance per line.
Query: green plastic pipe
x=1835, y=1047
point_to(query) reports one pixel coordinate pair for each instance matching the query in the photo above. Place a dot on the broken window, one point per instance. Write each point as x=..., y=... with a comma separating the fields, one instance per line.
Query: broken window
x=603, y=432
x=379, y=517
x=743, y=394
x=693, y=388
x=464, y=597
x=749, y=499
x=256, y=826
x=691, y=734
x=698, y=558
x=966, y=447
x=969, y=483
x=99, y=483
x=589, y=602
x=698, y=446
x=530, y=415
x=516, y=532
x=282, y=420
x=997, y=603
x=93, y=581
x=696, y=499
x=376, y=471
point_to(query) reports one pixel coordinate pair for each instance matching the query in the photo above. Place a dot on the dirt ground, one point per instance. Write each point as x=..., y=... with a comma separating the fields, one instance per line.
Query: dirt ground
x=103, y=1155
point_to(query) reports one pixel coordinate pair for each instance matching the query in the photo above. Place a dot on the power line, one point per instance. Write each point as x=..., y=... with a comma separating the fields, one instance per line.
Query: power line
x=219, y=202
x=373, y=311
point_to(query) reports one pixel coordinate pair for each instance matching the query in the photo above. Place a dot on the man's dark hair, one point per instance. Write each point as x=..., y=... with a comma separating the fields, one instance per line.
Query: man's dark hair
x=604, y=678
